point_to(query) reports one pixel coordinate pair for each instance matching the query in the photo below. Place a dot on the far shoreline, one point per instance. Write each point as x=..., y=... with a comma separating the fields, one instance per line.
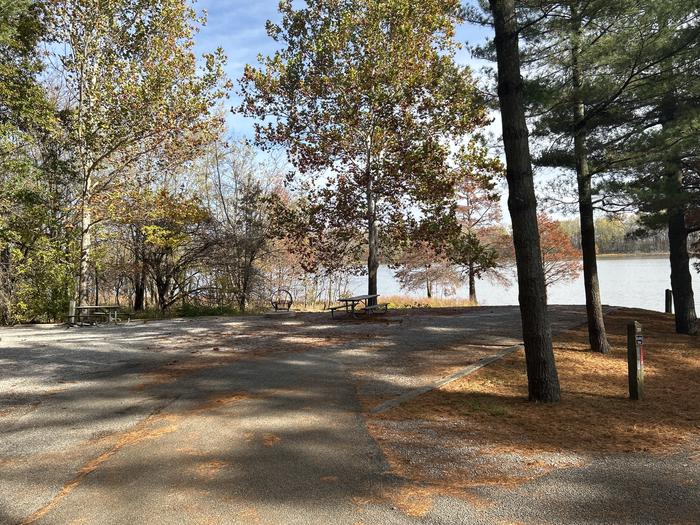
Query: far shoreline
x=638, y=255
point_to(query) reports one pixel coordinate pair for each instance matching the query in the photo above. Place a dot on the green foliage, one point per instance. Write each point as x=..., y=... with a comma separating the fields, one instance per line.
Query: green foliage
x=170, y=230
x=43, y=283
x=185, y=310
x=472, y=254
x=198, y=310
x=24, y=106
x=34, y=271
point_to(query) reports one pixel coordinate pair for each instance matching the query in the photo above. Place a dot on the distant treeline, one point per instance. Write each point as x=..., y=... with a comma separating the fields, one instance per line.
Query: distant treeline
x=620, y=235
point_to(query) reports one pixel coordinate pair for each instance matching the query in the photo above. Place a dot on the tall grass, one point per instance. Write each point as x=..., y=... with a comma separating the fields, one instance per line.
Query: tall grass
x=405, y=301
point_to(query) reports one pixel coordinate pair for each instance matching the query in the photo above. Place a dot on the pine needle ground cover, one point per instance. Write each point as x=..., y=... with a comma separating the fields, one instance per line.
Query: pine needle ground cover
x=480, y=430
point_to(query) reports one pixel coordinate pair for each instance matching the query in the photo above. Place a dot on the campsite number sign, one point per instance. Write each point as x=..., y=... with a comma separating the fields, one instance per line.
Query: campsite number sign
x=635, y=360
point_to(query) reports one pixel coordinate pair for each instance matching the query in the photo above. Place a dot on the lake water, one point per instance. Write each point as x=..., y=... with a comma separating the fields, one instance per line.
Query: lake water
x=637, y=282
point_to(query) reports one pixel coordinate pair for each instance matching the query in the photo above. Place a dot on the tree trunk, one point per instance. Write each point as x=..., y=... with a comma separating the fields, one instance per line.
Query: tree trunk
x=330, y=292
x=139, y=283
x=139, y=293
x=543, y=382
x=372, y=234
x=681, y=278
x=163, y=290
x=594, y=310
x=117, y=291
x=472, y=283
x=97, y=287
x=243, y=294
x=6, y=285
x=85, y=247
x=429, y=288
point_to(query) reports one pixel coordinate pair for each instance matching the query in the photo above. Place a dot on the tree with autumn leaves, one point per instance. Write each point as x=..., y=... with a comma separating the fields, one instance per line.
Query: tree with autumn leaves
x=483, y=247
x=421, y=267
x=367, y=99
x=561, y=261
x=132, y=89
x=175, y=236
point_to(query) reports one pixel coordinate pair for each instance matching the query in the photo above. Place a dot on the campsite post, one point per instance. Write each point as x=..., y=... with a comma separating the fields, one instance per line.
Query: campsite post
x=635, y=360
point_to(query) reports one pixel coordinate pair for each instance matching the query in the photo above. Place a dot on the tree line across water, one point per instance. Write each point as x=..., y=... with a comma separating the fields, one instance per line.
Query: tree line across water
x=119, y=180
x=619, y=236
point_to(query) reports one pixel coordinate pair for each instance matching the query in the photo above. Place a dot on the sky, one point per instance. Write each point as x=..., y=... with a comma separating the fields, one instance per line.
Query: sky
x=238, y=26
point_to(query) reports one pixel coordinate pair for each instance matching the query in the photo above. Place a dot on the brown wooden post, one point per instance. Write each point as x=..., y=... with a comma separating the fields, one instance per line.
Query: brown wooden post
x=669, y=302
x=635, y=360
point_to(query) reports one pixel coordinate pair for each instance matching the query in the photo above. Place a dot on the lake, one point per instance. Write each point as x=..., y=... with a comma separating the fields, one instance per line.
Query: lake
x=637, y=282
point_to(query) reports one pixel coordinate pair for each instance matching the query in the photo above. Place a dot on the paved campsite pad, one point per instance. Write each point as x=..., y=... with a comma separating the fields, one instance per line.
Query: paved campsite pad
x=252, y=420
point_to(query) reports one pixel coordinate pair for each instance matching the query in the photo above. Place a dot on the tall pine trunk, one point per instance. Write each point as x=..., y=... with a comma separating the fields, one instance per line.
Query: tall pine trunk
x=594, y=310
x=681, y=278
x=6, y=272
x=97, y=287
x=245, y=283
x=543, y=382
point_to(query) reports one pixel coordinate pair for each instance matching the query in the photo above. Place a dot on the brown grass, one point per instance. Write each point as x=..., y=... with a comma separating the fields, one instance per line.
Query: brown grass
x=405, y=301
x=401, y=301
x=482, y=430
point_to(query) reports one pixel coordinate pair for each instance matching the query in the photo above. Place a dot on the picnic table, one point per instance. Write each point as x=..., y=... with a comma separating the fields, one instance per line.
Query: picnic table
x=350, y=305
x=107, y=313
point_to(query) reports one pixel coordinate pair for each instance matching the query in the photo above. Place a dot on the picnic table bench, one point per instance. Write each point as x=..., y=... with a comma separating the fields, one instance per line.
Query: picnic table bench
x=350, y=305
x=95, y=313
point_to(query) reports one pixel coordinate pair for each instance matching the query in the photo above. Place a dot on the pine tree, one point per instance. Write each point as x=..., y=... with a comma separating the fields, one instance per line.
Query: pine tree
x=543, y=381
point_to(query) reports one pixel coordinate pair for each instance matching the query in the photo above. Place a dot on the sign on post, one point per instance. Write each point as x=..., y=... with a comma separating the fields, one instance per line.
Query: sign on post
x=635, y=360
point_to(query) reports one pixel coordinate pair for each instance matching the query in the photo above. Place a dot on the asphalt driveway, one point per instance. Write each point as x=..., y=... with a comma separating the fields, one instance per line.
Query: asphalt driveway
x=224, y=420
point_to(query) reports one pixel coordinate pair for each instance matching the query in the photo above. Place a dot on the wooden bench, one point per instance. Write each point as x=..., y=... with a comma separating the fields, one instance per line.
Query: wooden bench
x=332, y=309
x=94, y=317
x=376, y=308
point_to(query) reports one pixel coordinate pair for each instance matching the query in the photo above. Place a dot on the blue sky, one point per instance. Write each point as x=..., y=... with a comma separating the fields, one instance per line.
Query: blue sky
x=238, y=26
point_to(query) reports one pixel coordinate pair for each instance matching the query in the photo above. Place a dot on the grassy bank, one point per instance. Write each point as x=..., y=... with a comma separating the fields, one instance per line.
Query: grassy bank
x=400, y=301
x=632, y=255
